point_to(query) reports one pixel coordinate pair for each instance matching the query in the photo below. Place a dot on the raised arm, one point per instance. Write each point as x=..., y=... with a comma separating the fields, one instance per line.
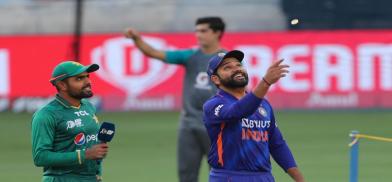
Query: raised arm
x=143, y=46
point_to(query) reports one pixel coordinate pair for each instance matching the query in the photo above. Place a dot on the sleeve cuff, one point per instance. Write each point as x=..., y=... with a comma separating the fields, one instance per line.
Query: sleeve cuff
x=81, y=154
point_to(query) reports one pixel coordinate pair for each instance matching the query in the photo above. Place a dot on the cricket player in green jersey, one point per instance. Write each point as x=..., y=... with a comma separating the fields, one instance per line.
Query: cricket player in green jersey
x=64, y=132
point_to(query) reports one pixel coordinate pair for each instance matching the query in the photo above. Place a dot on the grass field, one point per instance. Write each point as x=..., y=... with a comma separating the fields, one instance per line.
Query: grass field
x=143, y=149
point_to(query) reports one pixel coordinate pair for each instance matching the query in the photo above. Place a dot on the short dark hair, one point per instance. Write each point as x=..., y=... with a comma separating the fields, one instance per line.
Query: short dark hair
x=216, y=23
x=57, y=87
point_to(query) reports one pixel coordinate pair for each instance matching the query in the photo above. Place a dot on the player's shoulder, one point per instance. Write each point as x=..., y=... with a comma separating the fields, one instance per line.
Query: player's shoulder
x=46, y=112
x=266, y=103
x=50, y=107
x=214, y=101
x=86, y=102
x=188, y=51
x=89, y=106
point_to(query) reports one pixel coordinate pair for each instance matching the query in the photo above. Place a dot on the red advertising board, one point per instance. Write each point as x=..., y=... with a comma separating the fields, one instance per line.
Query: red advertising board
x=340, y=69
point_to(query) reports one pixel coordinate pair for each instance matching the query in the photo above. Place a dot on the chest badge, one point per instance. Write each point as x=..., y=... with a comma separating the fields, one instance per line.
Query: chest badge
x=95, y=118
x=262, y=111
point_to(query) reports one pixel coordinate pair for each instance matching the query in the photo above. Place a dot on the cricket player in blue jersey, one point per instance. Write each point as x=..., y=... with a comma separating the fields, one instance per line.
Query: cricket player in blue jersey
x=241, y=125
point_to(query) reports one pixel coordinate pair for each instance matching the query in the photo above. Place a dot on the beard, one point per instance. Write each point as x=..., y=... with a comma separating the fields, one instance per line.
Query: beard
x=231, y=82
x=85, y=92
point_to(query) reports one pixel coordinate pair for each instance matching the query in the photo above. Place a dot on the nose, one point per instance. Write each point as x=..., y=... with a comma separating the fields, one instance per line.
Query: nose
x=87, y=81
x=237, y=68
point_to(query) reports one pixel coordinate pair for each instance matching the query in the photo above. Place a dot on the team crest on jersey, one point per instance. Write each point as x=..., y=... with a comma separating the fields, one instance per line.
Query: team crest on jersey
x=96, y=119
x=262, y=111
x=80, y=139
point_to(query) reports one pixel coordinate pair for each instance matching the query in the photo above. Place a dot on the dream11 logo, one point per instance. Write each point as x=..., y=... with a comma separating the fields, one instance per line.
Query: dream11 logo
x=125, y=67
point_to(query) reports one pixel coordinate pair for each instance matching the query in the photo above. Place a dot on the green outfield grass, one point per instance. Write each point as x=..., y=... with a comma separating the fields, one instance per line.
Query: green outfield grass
x=144, y=148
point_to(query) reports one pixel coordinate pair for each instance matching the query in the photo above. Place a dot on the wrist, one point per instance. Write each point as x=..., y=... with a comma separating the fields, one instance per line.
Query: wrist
x=267, y=82
x=136, y=38
x=87, y=154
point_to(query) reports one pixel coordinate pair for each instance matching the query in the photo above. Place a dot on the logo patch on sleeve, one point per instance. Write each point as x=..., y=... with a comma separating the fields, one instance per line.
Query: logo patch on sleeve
x=217, y=109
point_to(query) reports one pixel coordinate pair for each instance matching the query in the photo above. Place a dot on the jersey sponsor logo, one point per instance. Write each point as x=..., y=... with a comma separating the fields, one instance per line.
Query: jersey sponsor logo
x=255, y=135
x=217, y=109
x=254, y=123
x=80, y=139
x=202, y=81
x=90, y=138
x=81, y=113
x=76, y=123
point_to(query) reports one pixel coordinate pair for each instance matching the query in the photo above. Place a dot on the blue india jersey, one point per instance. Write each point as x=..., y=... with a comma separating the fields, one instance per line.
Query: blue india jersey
x=244, y=134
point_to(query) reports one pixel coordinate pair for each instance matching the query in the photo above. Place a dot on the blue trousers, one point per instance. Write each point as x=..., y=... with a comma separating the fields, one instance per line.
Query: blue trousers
x=221, y=175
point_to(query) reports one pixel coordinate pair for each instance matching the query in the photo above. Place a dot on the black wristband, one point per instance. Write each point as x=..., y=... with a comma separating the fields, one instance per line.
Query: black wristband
x=268, y=83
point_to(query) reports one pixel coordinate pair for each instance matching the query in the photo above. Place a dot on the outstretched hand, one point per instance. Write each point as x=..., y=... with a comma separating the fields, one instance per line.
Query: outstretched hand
x=131, y=33
x=276, y=71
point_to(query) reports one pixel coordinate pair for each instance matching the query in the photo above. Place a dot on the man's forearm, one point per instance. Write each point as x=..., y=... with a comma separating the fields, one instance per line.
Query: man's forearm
x=296, y=174
x=47, y=158
x=148, y=50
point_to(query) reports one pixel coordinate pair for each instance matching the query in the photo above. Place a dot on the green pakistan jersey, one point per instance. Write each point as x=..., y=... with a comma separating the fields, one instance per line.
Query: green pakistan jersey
x=60, y=135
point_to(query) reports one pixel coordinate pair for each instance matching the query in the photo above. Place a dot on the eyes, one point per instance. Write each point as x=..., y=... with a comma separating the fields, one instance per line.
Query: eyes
x=228, y=67
x=202, y=30
x=82, y=77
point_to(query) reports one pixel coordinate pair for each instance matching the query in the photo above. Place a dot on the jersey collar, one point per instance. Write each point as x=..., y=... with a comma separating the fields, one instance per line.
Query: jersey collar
x=65, y=103
x=225, y=94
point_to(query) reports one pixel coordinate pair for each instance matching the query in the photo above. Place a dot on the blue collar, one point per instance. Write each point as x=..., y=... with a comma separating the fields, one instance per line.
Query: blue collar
x=226, y=94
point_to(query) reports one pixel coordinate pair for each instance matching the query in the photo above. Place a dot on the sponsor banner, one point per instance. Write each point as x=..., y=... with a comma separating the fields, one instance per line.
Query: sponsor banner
x=340, y=69
x=31, y=104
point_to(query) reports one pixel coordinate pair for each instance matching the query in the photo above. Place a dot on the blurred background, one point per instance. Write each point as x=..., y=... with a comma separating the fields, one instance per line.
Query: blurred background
x=340, y=52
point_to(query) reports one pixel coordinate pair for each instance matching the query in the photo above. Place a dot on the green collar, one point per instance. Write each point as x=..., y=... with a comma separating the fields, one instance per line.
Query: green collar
x=65, y=103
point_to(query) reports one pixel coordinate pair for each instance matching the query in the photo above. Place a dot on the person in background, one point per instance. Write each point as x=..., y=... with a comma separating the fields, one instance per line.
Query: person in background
x=193, y=142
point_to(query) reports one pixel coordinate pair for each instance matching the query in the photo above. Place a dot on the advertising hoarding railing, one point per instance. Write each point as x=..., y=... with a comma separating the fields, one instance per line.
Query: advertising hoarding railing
x=343, y=69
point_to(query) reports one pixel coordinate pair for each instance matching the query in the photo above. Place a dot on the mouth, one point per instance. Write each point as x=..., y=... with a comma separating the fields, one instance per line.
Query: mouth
x=239, y=76
x=88, y=88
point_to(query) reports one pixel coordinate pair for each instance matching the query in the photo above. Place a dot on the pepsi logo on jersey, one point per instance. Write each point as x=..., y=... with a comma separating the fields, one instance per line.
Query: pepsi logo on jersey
x=81, y=138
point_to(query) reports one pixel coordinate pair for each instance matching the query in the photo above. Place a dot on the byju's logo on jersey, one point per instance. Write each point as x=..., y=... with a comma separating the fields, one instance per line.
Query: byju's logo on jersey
x=80, y=139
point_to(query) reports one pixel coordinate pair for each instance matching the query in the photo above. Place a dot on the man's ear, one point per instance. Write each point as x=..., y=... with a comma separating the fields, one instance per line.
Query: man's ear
x=219, y=33
x=215, y=80
x=61, y=85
